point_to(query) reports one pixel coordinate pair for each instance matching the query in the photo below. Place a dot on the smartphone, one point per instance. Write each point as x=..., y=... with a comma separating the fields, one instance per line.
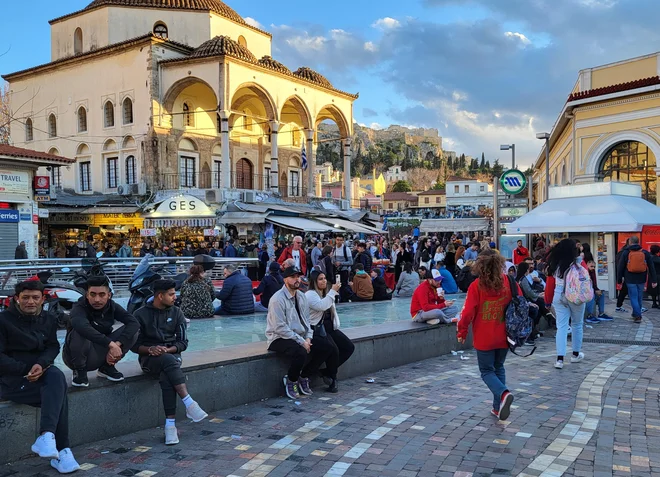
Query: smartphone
x=337, y=278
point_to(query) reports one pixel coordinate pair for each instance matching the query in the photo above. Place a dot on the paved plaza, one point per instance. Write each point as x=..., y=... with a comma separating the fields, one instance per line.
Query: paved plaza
x=599, y=417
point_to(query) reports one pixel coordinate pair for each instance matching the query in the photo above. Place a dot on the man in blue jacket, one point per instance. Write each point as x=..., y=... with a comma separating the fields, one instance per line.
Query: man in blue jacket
x=236, y=294
x=448, y=283
x=230, y=250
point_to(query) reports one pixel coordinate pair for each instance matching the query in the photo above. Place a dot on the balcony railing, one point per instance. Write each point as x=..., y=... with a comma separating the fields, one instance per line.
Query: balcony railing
x=213, y=180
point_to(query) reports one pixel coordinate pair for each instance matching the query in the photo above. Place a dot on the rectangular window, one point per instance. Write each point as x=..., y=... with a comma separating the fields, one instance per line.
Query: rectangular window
x=426, y=200
x=131, y=170
x=295, y=184
x=390, y=205
x=85, y=176
x=216, y=174
x=482, y=188
x=187, y=172
x=112, y=172
x=56, y=177
x=437, y=200
x=467, y=189
x=266, y=178
x=457, y=189
x=328, y=194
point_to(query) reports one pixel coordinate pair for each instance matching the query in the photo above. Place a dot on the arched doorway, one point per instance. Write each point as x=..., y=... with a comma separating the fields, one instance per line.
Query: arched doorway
x=284, y=185
x=631, y=161
x=244, y=174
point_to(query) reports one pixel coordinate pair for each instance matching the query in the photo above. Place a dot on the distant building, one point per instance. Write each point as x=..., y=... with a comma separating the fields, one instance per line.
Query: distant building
x=327, y=173
x=432, y=201
x=464, y=194
x=395, y=174
x=398, y=201
x=374, y=183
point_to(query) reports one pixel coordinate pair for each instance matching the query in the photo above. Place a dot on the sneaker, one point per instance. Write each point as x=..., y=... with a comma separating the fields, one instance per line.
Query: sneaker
x=332, y=387
x=495, y=413
x=65, y=463
x=291, y=388
x=435, y=321
x=45, y=446
x=530, y=343
x=637, y=319
x=505, y=406
x=644, y=310
x=620, y=309
x=592, y=319
x=80, y=378
x=605, y=317
x=570, y=331
x=303, y=384
x=110, y=373
x=578, y=358
x=559, y=364
x=171, y=436
x=195, y=412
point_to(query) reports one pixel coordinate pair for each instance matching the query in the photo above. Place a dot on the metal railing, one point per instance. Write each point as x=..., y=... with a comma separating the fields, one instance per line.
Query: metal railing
x=192, y=180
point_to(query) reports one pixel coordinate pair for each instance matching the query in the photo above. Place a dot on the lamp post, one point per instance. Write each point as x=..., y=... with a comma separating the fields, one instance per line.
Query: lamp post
x=506, y=147
x=546, y=138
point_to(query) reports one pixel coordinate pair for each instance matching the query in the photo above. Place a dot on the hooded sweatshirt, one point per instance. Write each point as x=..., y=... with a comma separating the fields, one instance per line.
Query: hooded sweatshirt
x=158, y=327
x=362, y=285
x=96, y=325
x=25, y=340
x=380, y=287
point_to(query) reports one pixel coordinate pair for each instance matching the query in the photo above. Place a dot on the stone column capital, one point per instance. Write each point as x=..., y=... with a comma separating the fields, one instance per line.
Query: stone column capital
x=274, y=126
x=309, y=133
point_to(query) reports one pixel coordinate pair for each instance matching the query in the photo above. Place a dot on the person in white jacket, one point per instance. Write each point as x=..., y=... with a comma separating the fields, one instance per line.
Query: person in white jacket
x=325, y=320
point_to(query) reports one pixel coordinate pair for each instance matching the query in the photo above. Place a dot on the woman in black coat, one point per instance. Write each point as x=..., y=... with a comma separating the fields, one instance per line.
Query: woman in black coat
x=405, y=255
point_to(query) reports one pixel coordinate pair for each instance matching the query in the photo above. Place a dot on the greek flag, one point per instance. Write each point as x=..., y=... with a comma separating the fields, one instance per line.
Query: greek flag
x=304, y=158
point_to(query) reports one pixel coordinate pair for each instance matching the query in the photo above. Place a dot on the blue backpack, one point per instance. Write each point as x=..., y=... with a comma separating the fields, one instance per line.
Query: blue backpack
x=519, y=324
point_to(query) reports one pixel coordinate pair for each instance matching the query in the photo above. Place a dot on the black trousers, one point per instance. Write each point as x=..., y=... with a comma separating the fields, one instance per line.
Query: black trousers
x=48, y=393
x=80, y=353
x=302, y=363
x=343, y=349
x=167, y=368
x=621, y=295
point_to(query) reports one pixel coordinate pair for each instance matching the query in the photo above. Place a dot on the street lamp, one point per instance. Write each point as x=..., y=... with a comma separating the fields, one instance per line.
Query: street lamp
x=506, y=147
x=546, y=137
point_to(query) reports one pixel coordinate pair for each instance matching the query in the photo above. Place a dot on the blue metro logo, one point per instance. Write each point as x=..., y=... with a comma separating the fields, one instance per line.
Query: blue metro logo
x=513, y=182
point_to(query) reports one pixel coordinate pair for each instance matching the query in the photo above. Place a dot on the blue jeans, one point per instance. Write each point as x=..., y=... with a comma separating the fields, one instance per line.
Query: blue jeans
x=565, y=311
x=635, y=291
x=491, y=365
x=591, y=306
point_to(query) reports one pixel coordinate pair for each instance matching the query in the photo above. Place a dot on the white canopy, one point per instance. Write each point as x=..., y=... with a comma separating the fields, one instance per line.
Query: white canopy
x=454, y=225
x=300, y=223
x=350, y=226
x=598, y=207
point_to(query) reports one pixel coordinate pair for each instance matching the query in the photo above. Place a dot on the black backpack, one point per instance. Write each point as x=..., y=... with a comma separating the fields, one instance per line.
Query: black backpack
x=519, y=324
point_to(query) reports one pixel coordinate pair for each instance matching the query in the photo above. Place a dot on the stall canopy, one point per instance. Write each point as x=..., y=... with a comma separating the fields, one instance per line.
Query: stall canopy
x=350, y=226
x=230, y=218
x=598, y=207
x=455, y=225
x=301, y=223
x=181, y=210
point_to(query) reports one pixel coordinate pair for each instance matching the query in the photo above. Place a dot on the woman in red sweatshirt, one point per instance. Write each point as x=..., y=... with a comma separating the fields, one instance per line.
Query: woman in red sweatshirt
x=485, y=307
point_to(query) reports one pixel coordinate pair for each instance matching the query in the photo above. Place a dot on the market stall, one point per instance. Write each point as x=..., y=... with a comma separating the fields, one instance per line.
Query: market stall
x=481, y=224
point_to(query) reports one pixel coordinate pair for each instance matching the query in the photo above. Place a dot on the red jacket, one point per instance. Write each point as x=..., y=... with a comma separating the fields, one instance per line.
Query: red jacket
x=519, y=255
x=550, y=284
x=425, y=298
x=485, y=310
x=286, y=254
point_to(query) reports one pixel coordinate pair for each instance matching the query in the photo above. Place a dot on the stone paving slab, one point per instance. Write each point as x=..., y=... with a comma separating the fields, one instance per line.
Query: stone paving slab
x=598, y=417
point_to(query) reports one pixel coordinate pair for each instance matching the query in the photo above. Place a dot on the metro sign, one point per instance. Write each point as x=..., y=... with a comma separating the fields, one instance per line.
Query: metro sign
x=513, y=182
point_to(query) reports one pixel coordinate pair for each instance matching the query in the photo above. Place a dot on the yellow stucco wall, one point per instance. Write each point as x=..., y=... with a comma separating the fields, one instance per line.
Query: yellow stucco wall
x=622, y=73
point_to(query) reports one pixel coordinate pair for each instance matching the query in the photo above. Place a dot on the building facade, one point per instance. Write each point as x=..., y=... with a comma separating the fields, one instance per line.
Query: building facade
x=394, y=174
x=398, y=201
x=468, y=194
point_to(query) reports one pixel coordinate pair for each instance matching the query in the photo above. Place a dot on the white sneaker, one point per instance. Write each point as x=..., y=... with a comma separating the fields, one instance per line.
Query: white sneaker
x=45, y=446
x=435, y=321
x=66, y=462
x=559, y=364
x=171, y=436
x=195, y=412
x=578, y=358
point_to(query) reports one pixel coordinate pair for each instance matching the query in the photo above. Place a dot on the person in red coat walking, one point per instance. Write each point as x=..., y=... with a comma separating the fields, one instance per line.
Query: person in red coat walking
x=295, y=252
x=485, y=308
x=520, y=253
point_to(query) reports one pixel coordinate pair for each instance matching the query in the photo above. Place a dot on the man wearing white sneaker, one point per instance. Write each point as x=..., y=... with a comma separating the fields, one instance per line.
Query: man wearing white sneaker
x=28, y=348
x=161, y=341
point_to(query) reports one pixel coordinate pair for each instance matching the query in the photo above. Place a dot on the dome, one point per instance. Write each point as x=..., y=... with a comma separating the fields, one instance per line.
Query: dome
x=215, y=6
x=311, y=75
x=223, y=45
x=269, y=62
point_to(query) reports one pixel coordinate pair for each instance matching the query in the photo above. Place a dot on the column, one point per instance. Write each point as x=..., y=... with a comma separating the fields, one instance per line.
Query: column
x=657, y=181
x=225, y=166
x=311, y=162
x=274, y=167
x=346, y=144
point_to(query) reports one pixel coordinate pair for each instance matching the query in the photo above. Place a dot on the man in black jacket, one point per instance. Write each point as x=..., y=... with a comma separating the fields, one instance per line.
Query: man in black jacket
x=270, y=284
x=635, y=265
x=161, y=341
x=90, y=342
x=28, y=348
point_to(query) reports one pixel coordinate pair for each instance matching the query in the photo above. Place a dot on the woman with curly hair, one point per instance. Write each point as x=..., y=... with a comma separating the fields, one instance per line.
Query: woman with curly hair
x=460, y=259
x=485, y=306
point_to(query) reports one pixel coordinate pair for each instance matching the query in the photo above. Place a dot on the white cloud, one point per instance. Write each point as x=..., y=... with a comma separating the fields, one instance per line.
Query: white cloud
x=518, y=36
x=599, y=3
x=459, y=96
x=386, y=23
x=370, y=46
x=306, y=43
x=375, y=126
x=252, y=22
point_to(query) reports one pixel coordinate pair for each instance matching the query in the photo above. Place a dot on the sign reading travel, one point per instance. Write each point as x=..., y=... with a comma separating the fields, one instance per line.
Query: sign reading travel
x=513, y=182
x=14, y=182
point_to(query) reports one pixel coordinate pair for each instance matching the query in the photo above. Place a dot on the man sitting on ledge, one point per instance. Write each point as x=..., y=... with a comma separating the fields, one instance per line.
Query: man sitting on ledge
x=28, y=348
x=161, y=341
x=429, y=307
x=90, y=342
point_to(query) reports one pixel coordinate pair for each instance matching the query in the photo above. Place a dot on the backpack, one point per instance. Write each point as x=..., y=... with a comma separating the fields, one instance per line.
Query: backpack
x=578, y=288
x=321, y=266
x=636, y=261
x=519, y=324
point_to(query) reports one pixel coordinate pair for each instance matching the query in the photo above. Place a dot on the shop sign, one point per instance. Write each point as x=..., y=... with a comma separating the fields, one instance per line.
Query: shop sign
x=211, y=233
x=12, y=182
x=183, y=206
x=148, y=232
x=42, y=198
x=623, y=236
x=130, y=219
x=26, y=217
x=513, y=211
x=78, y=219
x=41, y=188
x=8, y=216
x=650, y=236
x=43, y=213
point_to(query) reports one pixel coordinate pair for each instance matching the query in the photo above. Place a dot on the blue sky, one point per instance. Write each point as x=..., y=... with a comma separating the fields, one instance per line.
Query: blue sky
x=483, y=72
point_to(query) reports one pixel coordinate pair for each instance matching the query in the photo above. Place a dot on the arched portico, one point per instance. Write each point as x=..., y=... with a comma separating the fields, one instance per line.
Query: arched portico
x=332, y=113
x=596, y=153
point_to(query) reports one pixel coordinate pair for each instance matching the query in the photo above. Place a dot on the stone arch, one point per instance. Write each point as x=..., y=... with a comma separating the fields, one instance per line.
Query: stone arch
x=83, y=150
x=244, y=174
x=596, y=154
x=301, y=108
x=261, y=93
x=187, y=144
x=53, y=150
x=177, y=88
x=128, y=143
x=333, y=113
x=110, y=145
x=78, y=41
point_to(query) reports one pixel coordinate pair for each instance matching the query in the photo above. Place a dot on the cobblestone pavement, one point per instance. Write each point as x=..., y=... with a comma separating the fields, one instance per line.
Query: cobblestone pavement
x=598, y=417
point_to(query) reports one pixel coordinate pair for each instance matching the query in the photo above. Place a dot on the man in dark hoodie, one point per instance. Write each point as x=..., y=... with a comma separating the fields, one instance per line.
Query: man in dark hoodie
x=380, y=288
x=90, y=342
x=634, y=265
x=28, y=348
x=161, y=341
x=270, y=284
x=622, y=289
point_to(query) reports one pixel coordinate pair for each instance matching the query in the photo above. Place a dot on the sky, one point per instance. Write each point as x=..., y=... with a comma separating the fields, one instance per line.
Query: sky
x=482, y=72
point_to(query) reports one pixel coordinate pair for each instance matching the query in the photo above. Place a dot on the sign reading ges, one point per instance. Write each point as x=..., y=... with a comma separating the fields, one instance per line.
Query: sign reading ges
x=513, y=182
x=183, y=206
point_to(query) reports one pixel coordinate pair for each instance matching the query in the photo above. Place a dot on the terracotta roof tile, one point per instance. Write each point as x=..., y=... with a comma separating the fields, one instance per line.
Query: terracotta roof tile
x=433, y=192
x=616, y=88
x=269, y=62
x=312, y=76
x=397, y=196
x=12, y=151
x=221, y=46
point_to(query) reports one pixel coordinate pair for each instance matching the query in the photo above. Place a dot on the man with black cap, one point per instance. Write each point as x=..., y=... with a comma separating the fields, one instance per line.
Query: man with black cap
x=270, y=284
x=161, y=341
x=289, y=333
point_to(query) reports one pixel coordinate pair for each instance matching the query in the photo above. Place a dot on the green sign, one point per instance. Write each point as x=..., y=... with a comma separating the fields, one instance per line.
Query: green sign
x=513, y=182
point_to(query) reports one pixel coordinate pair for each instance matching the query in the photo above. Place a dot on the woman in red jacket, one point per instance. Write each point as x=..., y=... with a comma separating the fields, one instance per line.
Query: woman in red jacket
x=485, y=307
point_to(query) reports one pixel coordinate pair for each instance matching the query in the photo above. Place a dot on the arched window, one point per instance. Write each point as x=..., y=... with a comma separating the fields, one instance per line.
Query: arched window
x=243, y=174
x=160, y=30
x=77, y=41
x=52, y=126
x=29, y=131
x=631, y=161
x=242, y=41
x=188, y=116
x=127, y=113
x=109, y=114
x=131, y=170
x=82, y=119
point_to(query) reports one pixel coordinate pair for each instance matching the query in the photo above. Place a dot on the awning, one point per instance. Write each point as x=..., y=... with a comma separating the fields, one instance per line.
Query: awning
x=350, y=226
x=455, y=225
x=230, y=218
x=190, y=222
x=300, y=223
